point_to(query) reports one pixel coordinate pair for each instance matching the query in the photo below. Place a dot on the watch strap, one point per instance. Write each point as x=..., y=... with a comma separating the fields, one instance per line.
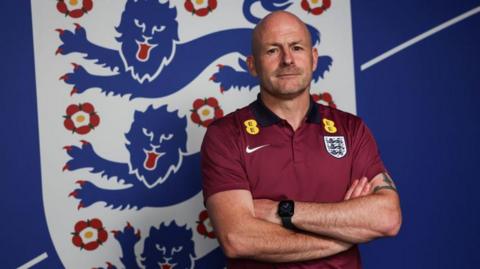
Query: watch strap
x=287, y=223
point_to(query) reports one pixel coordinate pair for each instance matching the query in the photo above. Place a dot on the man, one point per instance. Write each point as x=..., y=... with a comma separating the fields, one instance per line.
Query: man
x=289, y=183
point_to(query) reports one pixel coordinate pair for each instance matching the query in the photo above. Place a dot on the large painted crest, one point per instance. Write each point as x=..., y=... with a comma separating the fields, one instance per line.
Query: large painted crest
x=125, y=92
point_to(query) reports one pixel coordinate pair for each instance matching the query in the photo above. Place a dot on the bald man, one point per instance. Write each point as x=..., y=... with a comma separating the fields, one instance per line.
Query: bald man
x=289, y=183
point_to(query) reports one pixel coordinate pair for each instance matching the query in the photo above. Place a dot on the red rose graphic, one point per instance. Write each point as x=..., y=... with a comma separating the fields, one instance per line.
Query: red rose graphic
x=316, y=9
x=324, y=99
x=81, y=118
x=204, y=226
x=74, y=11
x=199, y=8
x=89, y=234
x=205, y=111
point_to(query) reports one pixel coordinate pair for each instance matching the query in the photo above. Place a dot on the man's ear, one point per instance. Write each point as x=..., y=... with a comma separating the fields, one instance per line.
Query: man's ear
x=251, y=65
x=314, y=59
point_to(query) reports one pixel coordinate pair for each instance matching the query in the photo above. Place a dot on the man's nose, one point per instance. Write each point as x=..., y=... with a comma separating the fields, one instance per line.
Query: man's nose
x=287, y=57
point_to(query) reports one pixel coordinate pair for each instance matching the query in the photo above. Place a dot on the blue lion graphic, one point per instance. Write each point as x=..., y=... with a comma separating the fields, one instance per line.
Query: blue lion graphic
x=159, y=172
x=152, y=62
x=169, y=246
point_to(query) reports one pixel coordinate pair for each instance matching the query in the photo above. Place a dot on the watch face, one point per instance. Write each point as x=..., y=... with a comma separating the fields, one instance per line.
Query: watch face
x=285, y=208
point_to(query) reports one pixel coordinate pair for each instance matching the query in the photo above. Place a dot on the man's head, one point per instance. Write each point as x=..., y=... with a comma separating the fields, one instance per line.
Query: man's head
x=283, y=57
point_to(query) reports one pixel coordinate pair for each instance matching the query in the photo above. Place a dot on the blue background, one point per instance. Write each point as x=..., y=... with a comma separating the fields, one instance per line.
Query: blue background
x=422, y=104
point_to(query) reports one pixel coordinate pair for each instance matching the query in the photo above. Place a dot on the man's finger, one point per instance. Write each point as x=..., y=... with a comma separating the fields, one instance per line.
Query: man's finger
x=351, y=189
x=366, y=189
x=359, y=187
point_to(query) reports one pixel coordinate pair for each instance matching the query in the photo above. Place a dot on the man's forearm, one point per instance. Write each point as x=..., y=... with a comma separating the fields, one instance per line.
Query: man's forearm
x=357, y=220
x=242, y=234
x=261, y=240
x=369, y=210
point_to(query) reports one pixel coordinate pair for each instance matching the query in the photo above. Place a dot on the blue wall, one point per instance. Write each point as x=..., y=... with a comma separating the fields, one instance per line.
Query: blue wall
x=24, y=233
x=422, y=105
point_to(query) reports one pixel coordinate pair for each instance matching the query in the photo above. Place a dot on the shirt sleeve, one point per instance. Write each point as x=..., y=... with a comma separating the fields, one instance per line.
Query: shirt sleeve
x=221, y=162
x=366, y=157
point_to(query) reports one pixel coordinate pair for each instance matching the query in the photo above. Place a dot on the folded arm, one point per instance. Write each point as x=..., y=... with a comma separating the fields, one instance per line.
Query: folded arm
x=242, y=235
x=370, y=210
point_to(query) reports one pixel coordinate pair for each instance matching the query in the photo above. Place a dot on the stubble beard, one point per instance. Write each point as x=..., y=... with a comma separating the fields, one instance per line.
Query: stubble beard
x=287, y=92
x=285, y=95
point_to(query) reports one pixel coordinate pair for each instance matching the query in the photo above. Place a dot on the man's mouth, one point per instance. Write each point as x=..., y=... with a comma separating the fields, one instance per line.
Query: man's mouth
x=143, y=51
x=288, y=72
x=287, y=75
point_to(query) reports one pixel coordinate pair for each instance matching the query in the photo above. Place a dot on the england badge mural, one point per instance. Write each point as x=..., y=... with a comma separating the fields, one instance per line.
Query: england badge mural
x=126, y=90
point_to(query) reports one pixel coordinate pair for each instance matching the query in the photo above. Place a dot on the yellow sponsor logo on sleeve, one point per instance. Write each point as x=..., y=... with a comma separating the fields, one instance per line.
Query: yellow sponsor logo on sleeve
x=251, y=127
x=329, y=126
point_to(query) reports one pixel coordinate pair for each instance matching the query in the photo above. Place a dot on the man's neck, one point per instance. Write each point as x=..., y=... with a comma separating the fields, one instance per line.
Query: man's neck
x=292, y=110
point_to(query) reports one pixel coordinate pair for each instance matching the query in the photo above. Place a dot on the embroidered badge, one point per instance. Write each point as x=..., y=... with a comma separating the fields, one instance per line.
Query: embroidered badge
x=336, y=146
x=251, y=127
x=329, y=126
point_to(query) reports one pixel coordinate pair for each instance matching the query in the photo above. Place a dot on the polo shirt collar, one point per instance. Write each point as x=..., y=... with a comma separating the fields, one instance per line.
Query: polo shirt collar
x=265, y=117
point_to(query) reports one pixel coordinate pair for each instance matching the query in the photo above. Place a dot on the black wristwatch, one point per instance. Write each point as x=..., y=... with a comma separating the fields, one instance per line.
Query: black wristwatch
x=285, y=211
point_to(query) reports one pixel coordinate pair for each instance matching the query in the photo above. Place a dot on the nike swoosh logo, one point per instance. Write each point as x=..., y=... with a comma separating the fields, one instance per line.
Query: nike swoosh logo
x=250, y=150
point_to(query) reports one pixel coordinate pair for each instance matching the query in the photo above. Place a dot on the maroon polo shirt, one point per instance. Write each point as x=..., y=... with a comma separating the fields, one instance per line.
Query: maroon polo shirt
x=255, y=150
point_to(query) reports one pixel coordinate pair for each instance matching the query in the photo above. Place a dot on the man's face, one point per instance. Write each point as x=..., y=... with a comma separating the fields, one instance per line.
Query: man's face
x=283, y=57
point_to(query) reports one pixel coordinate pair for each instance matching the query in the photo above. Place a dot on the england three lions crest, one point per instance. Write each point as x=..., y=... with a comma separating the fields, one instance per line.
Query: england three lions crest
x=336, y=146
x=148, y=77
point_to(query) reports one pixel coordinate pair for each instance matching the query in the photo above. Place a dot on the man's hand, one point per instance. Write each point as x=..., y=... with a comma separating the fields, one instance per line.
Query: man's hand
x=359, y=188
x=266, y=209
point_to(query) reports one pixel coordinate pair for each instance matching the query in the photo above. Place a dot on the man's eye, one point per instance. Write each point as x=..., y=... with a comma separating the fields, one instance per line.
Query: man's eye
x=297, y=48
x=271, y=51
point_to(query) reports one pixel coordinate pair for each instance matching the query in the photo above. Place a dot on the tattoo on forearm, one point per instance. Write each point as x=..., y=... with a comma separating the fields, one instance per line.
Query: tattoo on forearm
x=377, y=188
x=389, y=185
